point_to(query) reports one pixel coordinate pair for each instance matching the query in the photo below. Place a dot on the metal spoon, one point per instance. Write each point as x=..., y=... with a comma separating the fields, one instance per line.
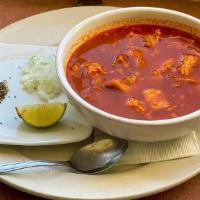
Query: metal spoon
x=92, y=158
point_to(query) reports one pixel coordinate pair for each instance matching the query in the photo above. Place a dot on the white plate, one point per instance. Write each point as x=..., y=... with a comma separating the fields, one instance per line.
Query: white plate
x=71, y=128
x=56, y=182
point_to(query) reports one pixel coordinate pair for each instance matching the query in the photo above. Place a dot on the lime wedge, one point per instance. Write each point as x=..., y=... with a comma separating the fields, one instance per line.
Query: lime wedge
x=41, y=115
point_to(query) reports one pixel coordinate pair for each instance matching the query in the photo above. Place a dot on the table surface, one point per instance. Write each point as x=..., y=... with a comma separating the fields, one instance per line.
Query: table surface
x=13, y=10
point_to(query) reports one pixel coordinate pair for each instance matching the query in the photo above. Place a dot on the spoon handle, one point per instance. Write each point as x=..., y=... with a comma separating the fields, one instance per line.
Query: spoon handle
x=23, y=165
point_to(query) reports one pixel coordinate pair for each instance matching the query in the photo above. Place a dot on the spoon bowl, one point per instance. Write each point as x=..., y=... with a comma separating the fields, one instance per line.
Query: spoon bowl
x=98, y=156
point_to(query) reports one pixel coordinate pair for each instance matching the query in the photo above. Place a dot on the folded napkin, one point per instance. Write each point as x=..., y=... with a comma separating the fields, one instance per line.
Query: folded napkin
x=148, y=152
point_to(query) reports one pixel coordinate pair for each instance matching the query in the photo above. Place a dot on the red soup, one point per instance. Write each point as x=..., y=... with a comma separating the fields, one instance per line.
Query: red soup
x=140, y=71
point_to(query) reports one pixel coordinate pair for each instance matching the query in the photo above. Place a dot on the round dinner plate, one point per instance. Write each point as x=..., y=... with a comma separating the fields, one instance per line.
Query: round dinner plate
x=58, y=183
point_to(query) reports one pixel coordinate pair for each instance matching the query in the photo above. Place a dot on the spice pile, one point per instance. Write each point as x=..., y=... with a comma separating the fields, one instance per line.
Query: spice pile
x=3, y=90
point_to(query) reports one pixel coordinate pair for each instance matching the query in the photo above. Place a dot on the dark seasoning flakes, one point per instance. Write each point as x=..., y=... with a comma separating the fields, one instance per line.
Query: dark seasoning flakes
x=3, y=90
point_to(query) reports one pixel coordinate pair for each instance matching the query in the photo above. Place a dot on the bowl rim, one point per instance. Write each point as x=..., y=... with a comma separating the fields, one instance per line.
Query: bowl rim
x=62, y=77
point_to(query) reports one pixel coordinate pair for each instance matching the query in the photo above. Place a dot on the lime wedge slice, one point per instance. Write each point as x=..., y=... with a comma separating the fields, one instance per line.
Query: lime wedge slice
x=41, y=115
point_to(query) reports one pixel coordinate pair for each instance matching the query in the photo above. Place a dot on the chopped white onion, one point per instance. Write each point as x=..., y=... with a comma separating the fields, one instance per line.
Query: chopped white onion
x=39, y=76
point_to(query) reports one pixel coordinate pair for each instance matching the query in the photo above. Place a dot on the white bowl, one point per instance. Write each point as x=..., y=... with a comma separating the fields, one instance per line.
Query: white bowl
x=131, y=129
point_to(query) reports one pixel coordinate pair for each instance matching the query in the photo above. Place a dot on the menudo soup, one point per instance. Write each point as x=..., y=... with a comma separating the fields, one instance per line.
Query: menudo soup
x=140, y=71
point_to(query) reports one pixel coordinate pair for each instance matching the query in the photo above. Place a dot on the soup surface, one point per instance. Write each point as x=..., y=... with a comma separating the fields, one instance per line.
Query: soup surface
x=140, y=71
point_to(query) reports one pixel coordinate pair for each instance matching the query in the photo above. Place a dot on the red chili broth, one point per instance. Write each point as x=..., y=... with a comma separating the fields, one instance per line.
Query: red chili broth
x=182, y=97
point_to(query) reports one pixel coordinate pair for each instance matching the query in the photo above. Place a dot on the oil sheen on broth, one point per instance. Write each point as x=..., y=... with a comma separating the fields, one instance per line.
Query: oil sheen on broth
x=145, y=72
